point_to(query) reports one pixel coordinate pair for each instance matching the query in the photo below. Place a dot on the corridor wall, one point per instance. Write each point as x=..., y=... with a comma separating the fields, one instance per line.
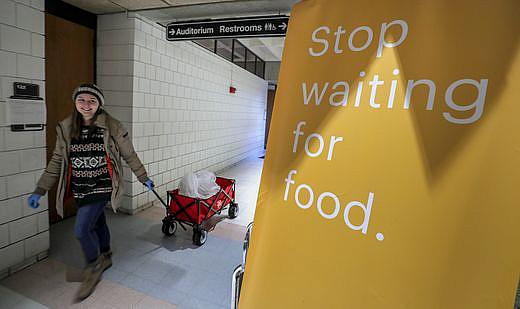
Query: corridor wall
x=24, y=232
x=174, y=99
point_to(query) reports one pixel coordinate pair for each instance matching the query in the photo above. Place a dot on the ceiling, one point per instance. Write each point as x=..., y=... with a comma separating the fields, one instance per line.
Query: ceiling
x=269, y=49
x=165, y=11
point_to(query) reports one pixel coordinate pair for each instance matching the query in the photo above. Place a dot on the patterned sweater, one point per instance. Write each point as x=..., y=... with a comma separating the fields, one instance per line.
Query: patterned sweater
x=90, y=177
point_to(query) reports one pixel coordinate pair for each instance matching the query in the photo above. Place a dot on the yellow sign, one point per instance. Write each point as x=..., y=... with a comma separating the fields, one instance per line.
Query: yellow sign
x=392, y=172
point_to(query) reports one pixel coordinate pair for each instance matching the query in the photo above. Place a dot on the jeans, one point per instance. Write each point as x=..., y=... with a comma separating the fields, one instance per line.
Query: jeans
x=92, y=231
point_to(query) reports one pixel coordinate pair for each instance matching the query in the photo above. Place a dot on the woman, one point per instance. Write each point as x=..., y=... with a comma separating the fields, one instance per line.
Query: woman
x=87, y=163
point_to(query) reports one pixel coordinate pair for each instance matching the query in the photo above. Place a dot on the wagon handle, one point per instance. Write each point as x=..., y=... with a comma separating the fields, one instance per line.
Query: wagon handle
x=160, y=199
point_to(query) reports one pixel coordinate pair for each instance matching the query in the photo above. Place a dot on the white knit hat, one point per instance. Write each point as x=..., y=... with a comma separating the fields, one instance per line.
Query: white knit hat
x=90, y=89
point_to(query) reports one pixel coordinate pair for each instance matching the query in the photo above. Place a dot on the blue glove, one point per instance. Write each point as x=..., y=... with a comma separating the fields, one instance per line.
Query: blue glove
x=149, y=184
x=33, y=200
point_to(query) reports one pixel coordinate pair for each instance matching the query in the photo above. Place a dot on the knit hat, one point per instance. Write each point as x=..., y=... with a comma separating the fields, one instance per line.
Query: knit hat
x=90, y=89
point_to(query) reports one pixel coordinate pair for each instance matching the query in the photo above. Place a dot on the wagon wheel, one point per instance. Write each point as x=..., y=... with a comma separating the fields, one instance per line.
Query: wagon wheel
x=199, y=236
x=233, y=210
x=169, y=227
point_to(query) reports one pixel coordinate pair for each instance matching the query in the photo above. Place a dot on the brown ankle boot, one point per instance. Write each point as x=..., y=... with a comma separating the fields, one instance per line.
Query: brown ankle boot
x=91, y=279
x=106, y=260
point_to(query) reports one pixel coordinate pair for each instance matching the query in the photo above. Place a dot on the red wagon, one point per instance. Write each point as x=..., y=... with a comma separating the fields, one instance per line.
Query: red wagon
x=194, y=211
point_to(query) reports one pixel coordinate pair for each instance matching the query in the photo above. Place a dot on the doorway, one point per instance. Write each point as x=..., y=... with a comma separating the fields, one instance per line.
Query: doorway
x=271, y=91
x=70, y=61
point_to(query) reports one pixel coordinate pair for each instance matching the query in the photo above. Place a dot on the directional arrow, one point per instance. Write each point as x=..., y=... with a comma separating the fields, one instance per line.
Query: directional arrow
x=223, y=28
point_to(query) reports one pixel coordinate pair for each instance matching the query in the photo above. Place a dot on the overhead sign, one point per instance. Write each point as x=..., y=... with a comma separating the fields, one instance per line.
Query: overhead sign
x=393, y=162
x=228, y=28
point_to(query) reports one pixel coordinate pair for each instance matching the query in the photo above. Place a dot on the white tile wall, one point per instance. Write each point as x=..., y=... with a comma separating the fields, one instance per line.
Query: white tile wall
x=18, y=140
x=4, y=236
x=20, y=184
x=37, y=45
x=23, y=228
x=38, y=4
x=182, y=115
x=115, y=52
x=7, y=63
x=115, y=67
x=2, y=139
x=30, y=67
x=7, y=12
x=10, y=163
x=36, y=244
x=25, y=2
x=3, y=188
x=10, y=210
x=11, y=255
x=39, y=138
x=15, y=39
x=32, y=159
x=30, y=19
x=116, y=37
x=43, y=222
x=22, y=154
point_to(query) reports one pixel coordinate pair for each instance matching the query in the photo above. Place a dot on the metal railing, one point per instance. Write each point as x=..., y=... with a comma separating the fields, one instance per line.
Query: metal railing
x=238, y=273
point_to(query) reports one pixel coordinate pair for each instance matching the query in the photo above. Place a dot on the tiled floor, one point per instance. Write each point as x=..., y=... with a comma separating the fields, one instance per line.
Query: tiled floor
x=150, y=270
x=247, y=174
x=10, y=299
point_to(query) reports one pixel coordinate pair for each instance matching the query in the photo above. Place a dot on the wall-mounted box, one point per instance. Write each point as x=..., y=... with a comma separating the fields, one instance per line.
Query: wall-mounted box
x=26, y=91
x=26, y=115
x=25, y=110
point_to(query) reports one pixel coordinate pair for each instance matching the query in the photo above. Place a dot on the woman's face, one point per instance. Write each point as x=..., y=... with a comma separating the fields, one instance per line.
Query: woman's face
x=87, y=105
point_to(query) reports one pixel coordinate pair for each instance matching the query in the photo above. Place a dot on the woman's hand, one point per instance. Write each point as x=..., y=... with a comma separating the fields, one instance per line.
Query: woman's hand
x=149, y=184
x=33, y=200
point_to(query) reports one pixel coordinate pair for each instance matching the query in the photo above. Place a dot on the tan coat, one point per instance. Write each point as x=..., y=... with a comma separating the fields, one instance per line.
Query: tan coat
x=117, y=145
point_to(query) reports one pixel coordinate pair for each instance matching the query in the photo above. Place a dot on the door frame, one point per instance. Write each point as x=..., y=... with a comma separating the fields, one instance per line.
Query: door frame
x=59, y=12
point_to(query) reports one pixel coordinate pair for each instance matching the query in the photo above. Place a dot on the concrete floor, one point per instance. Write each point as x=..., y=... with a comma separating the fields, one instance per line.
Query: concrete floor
x=150, y=270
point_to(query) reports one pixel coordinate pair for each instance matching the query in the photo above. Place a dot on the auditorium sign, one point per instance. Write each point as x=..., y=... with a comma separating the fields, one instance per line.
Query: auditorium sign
x=227, y=28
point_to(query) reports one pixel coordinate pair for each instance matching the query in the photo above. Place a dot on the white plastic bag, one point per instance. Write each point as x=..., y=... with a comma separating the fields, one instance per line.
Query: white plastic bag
x=189, y=185
x=207, y=185
x=199, y=185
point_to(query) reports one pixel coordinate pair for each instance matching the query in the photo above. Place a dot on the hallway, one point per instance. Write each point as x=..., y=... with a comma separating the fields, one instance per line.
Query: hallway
x=150, y=270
